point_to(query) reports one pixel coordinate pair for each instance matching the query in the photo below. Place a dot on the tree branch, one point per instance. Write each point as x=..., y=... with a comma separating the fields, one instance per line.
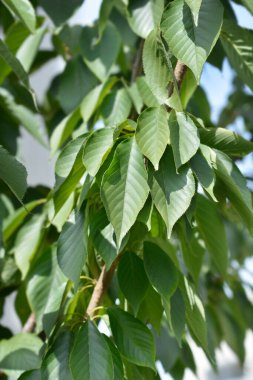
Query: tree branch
x=30, y=324
x=101, y=287
x=137, y=65
x=179, y=73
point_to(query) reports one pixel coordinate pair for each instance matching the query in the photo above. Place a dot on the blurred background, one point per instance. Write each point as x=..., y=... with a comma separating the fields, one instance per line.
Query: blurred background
x=218, y=86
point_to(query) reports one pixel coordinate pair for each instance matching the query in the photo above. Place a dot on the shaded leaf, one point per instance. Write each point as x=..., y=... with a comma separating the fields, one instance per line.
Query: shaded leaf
x=45, y=289
x=171, y=191
x=23, y=9
x=133, y=339
x=13, y=173
x=152, y=133
x=91, y=358
x=184, y=137
x=132, y=279
x=71, y=248
x=144, y=16
x=192, y=43
x=96, y=147
x=160, y=270
x=124, y=187
x=155, y=68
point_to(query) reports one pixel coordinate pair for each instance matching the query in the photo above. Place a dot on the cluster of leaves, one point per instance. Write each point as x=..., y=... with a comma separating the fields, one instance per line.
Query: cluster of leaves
x=149, y=207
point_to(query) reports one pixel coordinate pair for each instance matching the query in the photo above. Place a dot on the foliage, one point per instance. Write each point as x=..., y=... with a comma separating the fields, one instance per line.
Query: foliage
x=150, y=220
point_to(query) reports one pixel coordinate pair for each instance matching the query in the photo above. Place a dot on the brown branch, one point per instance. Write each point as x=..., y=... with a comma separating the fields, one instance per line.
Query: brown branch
x=179, y=73
x=30, y=324
x=101, y=287
x=137, y=65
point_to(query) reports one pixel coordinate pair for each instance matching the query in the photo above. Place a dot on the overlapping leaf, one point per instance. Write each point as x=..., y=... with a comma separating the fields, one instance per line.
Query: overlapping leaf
x=155, y=68
x=24, y=10
x=91, y=358
x=192, y=43
x=171, y=191
x=144, y=16
x=184, y=137
x=124, y=187
x=152, y=133
x=71, y=248
x=133, y=339
x=13, y=173
x=213, y=232
x=95, y=149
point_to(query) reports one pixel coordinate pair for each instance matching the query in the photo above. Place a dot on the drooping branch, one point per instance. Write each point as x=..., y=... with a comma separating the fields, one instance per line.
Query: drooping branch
x=101, y=287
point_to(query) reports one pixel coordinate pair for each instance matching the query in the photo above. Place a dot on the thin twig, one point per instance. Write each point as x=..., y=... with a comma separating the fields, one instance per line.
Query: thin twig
x=179, y=73
x=101, y=287
x=30, y=324
x=137, y=65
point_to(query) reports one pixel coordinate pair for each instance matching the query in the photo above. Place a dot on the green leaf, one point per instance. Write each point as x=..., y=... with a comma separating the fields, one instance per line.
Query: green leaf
x=100, y=56
x=15, y=219
x=151, y=309
x=31, y=375
x=132, y=279
x=71, y=248
x=177, y=313
x=96, y=149
x=227, y=141
x=152, y=133
x=55, y=365
x=67, y=157
x=155, y=68
x=13, y=173
x=184, y=137
x=76, y=81
x=147, y=96
x=24, y=10
x=172, y=192
x=27, y=242
x=204, y=172
x=117, y=362
x=90, y=357
x=21, y=115
x=15, y=65
x=89, y=102
x=102, y=234
x=28, y=50
x=124, y=187
x=60, y=10
x=236, y=188
x=116, y=107
x=160, y=270
x=192, y=43
x=45, y=288
x=195, y=314
x=133, y=339
x=237, y=43
x=144, y=16
x=213, y=232
x=68, y=186
x=195, y=7
x=192, y=249
x=63, y=130
x=20, y=353
x=248, y=4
